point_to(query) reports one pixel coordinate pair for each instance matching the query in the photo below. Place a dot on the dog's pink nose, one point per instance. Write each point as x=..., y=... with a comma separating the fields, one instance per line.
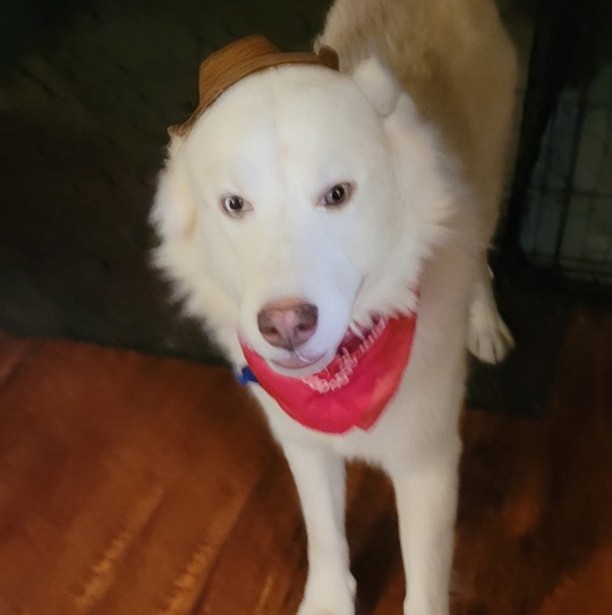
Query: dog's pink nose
x=287, y=323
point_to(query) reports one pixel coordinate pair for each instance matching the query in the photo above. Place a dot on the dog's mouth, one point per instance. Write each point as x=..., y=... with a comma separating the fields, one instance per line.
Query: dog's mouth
x=356, y=341
x=296, y=361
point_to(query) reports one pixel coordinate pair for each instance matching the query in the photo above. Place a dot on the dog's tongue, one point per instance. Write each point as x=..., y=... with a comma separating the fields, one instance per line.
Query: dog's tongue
x=354, y=389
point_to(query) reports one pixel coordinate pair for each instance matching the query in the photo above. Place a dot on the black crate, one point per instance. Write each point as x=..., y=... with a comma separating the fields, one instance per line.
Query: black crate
x=559, y=224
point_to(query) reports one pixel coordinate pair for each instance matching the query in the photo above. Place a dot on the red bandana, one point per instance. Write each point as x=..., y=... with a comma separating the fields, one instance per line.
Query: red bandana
x=354, y=389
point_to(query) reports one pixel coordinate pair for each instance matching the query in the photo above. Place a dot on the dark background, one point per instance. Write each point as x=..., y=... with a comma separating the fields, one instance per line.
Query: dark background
x=87, y=90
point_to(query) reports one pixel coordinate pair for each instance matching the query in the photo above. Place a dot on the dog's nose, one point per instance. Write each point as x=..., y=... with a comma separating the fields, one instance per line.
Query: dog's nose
x=288, y=323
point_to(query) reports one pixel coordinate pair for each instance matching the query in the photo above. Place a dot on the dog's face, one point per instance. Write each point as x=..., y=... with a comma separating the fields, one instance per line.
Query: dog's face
x=291, y=208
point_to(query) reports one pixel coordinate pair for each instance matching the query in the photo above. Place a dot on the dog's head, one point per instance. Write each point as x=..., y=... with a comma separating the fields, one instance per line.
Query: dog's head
x=298, y=202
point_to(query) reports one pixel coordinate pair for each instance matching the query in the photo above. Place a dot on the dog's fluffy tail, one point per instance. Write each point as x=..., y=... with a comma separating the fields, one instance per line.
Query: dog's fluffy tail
x=455, y=60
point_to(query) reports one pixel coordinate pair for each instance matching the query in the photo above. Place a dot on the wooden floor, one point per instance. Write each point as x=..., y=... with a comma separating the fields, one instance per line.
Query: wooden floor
x=135, y=485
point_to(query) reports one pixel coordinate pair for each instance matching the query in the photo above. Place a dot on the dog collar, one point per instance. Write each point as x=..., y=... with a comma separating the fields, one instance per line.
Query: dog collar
x=353, y=390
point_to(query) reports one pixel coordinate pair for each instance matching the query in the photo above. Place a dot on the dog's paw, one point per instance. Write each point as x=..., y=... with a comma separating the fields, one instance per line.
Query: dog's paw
x=489, y=339
x=328, y=596
x=428, y=610
x=319, y=609
x=308, y=610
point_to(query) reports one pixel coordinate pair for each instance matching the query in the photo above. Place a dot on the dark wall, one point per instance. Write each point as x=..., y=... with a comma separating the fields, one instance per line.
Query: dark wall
x=87, y=90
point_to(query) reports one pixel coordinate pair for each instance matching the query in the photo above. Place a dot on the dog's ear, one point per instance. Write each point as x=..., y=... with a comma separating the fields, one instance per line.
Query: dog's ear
x=378, y=84
x=174, y=211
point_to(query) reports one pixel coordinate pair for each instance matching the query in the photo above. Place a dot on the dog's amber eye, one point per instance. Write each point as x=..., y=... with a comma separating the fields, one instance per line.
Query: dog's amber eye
x=235, y=205
x=337, y=195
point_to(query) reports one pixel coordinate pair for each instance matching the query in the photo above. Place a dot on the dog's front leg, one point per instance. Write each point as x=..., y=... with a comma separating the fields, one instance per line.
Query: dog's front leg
x=426, y=502
x=320, y=479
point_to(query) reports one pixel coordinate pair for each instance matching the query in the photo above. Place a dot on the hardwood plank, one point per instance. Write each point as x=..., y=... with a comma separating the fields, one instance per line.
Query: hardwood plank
x=136, y=485
x=536, y=503
x=112, y=474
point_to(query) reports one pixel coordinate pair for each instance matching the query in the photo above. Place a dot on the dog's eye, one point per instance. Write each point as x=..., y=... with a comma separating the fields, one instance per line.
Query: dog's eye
x=337, y=195
x=235, y=205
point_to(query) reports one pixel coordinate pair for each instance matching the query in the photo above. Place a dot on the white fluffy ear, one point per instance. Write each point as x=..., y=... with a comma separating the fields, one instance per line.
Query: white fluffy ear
x=378, y=84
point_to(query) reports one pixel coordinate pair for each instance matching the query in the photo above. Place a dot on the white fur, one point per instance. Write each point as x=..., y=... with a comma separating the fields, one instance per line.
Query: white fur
x=280, y=139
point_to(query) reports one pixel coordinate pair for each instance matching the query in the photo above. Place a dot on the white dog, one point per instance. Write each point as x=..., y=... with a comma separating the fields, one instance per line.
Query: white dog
x=331, y=227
